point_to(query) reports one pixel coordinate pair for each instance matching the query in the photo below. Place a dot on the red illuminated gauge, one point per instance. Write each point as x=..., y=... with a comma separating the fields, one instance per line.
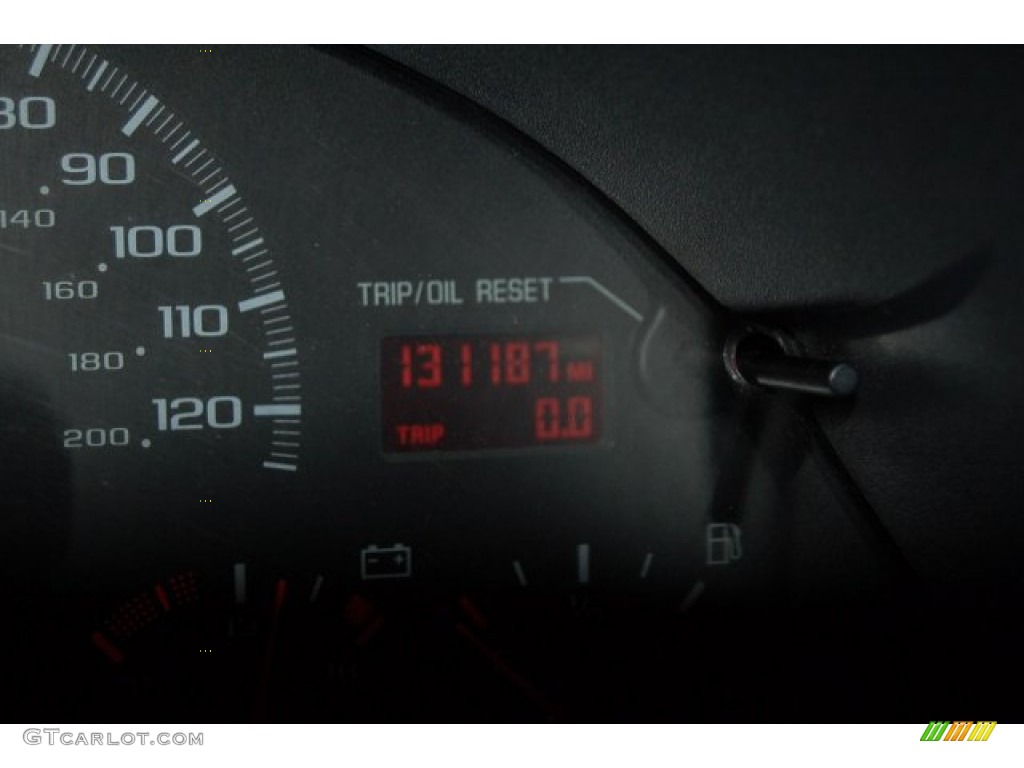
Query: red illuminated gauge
x=469, y=393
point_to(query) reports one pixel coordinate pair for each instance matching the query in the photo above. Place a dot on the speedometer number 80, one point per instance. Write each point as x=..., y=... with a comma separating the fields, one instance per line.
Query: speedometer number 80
x=32, y=112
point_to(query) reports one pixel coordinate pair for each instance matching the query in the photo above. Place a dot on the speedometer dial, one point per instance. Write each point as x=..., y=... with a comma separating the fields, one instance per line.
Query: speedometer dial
x=143, y=300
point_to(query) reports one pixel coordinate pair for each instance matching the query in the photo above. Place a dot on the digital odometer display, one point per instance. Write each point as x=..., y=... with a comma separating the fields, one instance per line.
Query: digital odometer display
x=468, y=393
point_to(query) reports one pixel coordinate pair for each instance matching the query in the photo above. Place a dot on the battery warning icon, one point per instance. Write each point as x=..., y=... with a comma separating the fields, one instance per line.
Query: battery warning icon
x=393, y=562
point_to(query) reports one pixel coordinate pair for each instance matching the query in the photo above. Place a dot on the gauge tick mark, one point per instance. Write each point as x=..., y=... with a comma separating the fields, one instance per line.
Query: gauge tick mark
x=40, y=60
x=520, y=573
x=646, y=567
x=257, y=302
x=313, y=595
x=277, y=410
x=583, y=563
x=205, y=206
x=279, y=465
x=247, y=247
x=692, y=596
x=239, y=572
x=181, y=155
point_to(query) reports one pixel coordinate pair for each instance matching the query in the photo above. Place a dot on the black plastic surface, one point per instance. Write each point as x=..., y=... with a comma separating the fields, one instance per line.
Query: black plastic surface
x=865, y=198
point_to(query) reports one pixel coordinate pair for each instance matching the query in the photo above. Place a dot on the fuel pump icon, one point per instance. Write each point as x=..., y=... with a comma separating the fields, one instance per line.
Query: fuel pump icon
x=723, y=543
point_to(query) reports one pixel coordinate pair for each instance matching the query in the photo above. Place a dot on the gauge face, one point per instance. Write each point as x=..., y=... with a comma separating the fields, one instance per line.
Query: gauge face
x=143, y=301
x=510, y=436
